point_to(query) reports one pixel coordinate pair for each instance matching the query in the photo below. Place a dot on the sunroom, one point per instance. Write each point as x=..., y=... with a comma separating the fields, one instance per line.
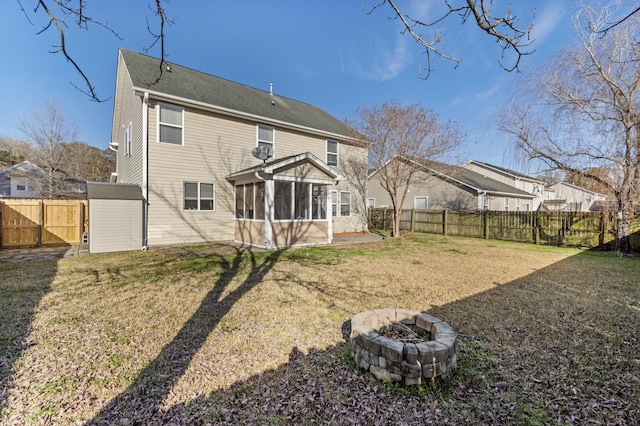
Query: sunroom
x=284, y=202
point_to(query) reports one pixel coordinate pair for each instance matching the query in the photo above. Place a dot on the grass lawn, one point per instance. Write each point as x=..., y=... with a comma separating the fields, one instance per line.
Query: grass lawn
x=214, y=335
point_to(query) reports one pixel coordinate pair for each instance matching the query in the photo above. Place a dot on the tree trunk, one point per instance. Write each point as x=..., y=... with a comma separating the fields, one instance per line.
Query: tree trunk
x=395, y=232
x=625, y=216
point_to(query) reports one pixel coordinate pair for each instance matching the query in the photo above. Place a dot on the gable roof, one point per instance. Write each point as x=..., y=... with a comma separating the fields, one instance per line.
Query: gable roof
x=467, y=178
x=504, y=171
x=271, y=167
x=187, y=86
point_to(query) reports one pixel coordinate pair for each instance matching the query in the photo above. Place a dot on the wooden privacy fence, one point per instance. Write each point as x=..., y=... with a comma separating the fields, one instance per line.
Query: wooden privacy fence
x=573, y=229
x=35, y=223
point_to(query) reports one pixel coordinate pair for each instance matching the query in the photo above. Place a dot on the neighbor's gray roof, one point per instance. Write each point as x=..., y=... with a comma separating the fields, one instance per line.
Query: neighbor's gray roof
x=474, y=180
x=467, y=178
x=207, y=89
x=505, y=170
x=113, y=191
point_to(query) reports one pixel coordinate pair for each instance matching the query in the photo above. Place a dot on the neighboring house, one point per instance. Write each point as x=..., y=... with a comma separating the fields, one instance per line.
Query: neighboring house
x=566, y=197
x=193, y=143
x=26, y=180
x=512, y=178
x=441, y=186
x=22, y=180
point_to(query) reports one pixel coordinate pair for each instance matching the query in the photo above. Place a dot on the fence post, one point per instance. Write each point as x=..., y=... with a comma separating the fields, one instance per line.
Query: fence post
x=1, y=221
x=413, y=219
x=384, y=218
x=602, y=229
x=485, y=224
x=40, y=222
x=445, y=225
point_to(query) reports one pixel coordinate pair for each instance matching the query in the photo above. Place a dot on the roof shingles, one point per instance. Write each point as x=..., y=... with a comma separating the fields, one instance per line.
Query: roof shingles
x=191, y=85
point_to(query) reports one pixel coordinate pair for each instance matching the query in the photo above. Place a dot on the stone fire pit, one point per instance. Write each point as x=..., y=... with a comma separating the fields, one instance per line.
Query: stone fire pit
x=403, y=346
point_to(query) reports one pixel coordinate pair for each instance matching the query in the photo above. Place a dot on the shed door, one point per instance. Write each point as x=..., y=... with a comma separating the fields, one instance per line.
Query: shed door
x=115, y=225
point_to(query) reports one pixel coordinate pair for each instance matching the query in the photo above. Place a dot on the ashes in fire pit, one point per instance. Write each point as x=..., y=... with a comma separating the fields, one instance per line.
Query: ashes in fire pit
x=403, y=346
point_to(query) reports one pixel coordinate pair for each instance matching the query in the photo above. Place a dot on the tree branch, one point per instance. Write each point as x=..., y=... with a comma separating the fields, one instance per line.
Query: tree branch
x=503, y=29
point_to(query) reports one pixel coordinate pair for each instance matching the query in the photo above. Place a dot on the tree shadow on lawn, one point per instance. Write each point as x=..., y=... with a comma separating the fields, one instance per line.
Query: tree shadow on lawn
x=556, y=346
x=141, y=401
x=22, y=286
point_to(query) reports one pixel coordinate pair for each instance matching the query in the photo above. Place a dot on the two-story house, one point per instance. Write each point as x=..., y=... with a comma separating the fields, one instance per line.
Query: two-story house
x=517, y=180
x=217, y=160
x=439, y=186
x=564, y=196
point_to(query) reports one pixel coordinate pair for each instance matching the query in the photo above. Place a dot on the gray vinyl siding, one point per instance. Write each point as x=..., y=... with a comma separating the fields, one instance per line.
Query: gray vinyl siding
x=352, y=163
x=214, y=147
x=115, y=225
x=129, y=110
x=441, y=194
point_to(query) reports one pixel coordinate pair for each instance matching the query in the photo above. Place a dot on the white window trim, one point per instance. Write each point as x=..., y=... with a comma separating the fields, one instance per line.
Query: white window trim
x=337, y=153
x=258, y=140
x=340, y=204
x=199, y=199
x=160, y=105
x=419, y=197
x=506, y=204
x=371, y=202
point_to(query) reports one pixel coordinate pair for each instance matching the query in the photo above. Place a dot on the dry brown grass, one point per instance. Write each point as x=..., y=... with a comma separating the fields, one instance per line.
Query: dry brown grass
x=211, y=334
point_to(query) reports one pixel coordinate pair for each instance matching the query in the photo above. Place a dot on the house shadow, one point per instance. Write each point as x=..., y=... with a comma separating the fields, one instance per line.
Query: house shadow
x=529, y=354
x=23, y=284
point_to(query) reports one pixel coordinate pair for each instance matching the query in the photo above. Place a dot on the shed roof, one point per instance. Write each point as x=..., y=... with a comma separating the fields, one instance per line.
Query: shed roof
x=191, y=85
x=113, y=191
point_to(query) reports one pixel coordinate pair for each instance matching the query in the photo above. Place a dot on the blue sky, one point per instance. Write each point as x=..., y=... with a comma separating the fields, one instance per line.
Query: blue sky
x=327, y=53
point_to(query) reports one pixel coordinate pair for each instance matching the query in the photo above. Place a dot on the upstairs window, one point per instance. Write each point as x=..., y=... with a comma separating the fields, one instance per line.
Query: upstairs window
x=170, y=124
x=266, y=137
x=198, y=196
x=332, y=153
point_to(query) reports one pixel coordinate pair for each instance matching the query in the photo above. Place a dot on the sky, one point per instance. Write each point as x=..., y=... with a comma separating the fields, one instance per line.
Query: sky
x=329, y=53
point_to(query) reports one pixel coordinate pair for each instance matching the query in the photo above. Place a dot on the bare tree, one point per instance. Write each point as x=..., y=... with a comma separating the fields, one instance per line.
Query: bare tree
x=581, y=112
x=404, y=133
x=59, y=12
x=503, y=26
x=13, y=151
x=87, y=163
x=49, y=133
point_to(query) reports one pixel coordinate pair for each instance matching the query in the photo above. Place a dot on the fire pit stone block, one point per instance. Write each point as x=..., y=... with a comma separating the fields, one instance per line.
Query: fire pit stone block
x=406, y=362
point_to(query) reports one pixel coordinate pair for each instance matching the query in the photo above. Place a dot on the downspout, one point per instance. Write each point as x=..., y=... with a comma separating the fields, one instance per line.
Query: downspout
x=145, y=169
x=268, y=210
x=114, y=175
